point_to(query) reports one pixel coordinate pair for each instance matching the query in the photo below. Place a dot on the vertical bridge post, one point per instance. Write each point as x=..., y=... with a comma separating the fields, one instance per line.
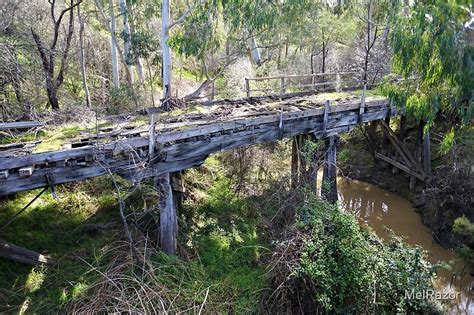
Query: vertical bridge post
x=329, y=185
x=282, y=86
x=168, y=216
x=247, y=87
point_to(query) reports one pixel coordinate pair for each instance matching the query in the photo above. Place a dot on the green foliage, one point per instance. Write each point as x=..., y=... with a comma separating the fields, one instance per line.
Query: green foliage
x=465, y=230
x=53, y=227
x=120, y=100
x=349, y=270
x=433, y=55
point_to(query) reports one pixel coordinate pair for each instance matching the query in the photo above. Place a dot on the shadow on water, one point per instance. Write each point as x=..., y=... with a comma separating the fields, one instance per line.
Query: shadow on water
x=381, y=209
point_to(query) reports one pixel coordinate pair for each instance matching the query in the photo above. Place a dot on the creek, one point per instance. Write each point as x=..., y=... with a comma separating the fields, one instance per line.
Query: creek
x=381, y=209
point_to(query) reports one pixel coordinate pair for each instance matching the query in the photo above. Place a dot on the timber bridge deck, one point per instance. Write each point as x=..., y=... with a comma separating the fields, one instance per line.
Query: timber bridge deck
x=186, y=140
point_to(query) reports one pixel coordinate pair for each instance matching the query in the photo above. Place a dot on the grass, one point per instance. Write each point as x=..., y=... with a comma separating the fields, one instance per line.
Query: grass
x=223, y=241
x=56, y=228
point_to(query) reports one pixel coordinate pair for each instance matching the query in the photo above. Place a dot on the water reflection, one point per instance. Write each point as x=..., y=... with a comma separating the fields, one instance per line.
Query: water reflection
x=379, y=209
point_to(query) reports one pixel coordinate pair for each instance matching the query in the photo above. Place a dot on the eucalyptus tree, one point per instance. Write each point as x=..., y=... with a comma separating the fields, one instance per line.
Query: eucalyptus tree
x=113, y=46
x=434, y=55
x=433, y=52
x=206, y=26
x=48, y=53
x=319, y=28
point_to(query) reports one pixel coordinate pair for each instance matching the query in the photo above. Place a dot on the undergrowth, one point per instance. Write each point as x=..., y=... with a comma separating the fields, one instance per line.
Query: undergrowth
x=237, y=206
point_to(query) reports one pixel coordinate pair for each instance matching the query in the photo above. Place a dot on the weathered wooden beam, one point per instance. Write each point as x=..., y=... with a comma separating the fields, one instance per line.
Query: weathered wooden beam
x=427, y=152
x=401, y=148
x=168, y=215
x=19, y=254
x=327, y=110
x=21, y=125
x=294, y=163
x=329, y=184
x=177, y=155
x=399, y=165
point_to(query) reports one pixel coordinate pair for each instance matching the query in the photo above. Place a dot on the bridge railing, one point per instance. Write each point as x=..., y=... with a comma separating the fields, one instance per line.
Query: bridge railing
x=338, y=81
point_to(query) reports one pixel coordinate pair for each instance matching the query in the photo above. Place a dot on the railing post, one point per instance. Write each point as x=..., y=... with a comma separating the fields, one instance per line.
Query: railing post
x=247, y=87
x=327, y=109
x=282, y=85
x=362, y=103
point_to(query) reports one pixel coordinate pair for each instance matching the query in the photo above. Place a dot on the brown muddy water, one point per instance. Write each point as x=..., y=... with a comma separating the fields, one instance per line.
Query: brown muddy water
x=381, y=209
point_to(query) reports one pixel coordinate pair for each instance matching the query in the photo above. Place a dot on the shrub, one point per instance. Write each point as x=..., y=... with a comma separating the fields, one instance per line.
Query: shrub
x=335, y=265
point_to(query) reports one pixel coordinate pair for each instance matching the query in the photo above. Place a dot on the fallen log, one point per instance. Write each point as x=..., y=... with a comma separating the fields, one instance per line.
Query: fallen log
x=20, y=254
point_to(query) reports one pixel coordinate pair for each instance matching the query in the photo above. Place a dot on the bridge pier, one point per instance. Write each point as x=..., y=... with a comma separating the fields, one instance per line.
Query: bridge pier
x=168, y=215
x=329, y=184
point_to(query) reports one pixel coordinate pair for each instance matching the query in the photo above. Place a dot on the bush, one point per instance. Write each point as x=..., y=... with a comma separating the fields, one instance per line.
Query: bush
x=336, y=265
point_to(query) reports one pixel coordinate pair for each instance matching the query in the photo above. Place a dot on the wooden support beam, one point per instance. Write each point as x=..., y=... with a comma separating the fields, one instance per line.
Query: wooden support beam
x=21, y=125
x=327, y=109
x=418, y=143
x=362, y=103
x=427, y=152
x=247, y=87
x=177, y=186
x=401, y=148
x=19, y=254
x=402, y=130
x=399, y=165
x=313, y=169
x=294, y=163
x=168, y=215
x=282, y=86
x=329, y=185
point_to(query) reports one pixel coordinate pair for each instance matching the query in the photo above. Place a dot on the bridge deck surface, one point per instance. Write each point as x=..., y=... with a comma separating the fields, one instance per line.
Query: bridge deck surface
x=184, y=138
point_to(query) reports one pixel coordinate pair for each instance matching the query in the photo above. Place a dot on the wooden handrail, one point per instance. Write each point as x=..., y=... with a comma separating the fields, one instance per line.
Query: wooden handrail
x=294, y=76
x=285, y=79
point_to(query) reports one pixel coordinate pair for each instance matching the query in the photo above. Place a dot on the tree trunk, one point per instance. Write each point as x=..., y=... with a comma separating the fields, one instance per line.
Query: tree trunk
x=52, y=93
x=113, y=47
x=128, y=36
x=166, y=50
x=254, y=51
x=82, y=57
x=141, y=74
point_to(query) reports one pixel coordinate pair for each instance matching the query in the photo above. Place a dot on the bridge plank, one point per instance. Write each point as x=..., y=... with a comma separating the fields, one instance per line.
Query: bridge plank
x=21, y=125
x=178, y=150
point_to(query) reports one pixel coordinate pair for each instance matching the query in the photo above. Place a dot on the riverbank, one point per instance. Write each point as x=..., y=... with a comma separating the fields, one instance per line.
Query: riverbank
x=437, y=206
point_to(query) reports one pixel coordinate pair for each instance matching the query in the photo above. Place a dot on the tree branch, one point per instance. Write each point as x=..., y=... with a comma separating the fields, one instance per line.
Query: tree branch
x=57, y=23
x=60, y=77
x=186, y=14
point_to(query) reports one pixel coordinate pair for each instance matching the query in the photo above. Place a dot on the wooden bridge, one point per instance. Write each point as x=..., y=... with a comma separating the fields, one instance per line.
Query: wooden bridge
x=178, y=142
